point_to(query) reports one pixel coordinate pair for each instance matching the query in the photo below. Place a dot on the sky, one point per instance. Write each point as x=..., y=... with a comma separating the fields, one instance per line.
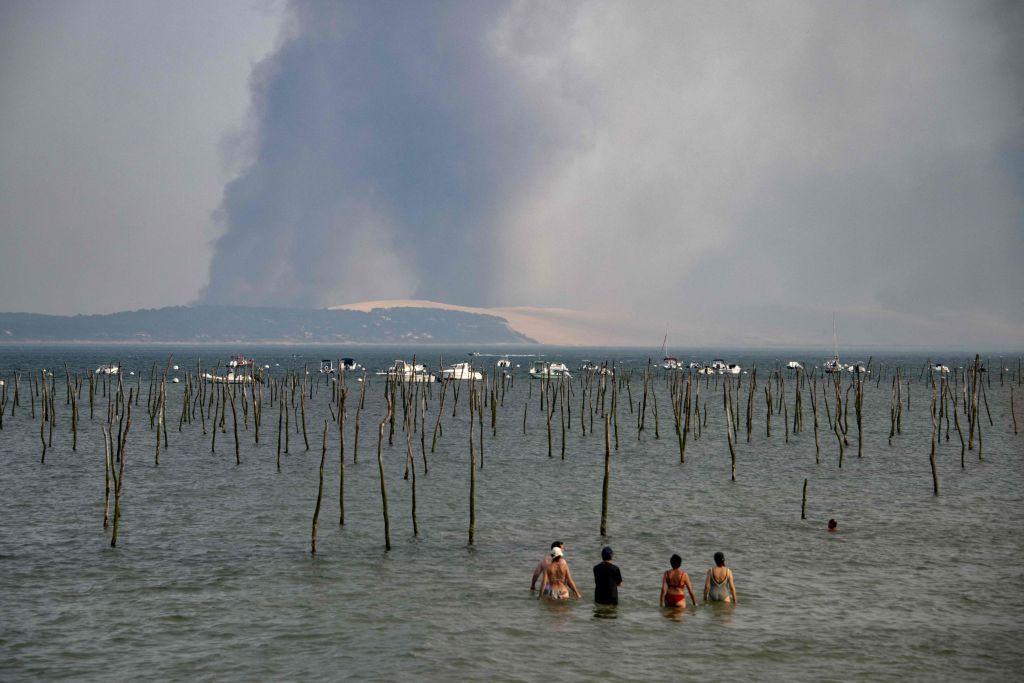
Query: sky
x=734, y=172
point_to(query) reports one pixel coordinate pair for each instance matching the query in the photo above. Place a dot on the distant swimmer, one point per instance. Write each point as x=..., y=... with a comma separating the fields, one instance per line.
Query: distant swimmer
x=833, y=525
x=557, y=582
x=607, y=579
x=719, y=585
x=673, y=582
x=538, y=571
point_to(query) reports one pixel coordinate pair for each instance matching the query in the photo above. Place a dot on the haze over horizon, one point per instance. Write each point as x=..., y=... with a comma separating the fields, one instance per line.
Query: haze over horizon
x=734, y=171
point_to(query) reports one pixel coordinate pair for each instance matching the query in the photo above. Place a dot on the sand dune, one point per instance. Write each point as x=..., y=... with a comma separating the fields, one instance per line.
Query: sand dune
x=559, y=326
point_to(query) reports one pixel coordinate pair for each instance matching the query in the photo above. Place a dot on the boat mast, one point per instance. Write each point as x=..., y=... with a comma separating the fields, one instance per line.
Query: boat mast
x=835, y=338
x=664, y=344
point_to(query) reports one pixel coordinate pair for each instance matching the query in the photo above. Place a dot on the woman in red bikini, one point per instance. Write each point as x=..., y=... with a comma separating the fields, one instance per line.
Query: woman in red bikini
x=672, y=584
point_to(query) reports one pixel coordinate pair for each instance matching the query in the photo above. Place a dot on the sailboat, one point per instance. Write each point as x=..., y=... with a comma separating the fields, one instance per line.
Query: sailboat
x=833, y=364
x=668, y=362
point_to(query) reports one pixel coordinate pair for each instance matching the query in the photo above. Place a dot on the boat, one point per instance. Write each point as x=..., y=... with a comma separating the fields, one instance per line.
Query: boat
x=719, y=365
x=350, y=364
x=240, y=361
x=108, y=369
x=461, y=372
x=833, y=365
x=705, y=370
x=588, y=366
x=175, y=381
x=795, y=365
x=733, y=369
x=668, y=362
x=694, y=365
x=327, y=366
x=940, y=368
x=504, y=362
x=230, y=378
x=407, y=372
x=543, y=370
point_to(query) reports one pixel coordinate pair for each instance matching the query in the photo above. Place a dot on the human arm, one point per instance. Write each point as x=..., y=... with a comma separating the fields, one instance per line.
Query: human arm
x=707, y=586
x=689, y=588
x=570, y=583
x=664, y=589
x=732, y=589
x=537, y=572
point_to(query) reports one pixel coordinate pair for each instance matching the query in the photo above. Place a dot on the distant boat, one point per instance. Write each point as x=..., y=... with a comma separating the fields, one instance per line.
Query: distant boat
x=857, y=367
x=705, y=370
x=719, y=365
x=240, y=361
x=175, y=381
x=668, y=362
x=833, y=364
x=940, y=368
x=108, y=369
x=504, y=362
x=734, y=369
x=543, y=370
x=230, y=378
x=350, y=364
x=795, y=365
x=327, y=366
x=589, y=366
x=461, y=372
x=694, y=365
x=407, y=372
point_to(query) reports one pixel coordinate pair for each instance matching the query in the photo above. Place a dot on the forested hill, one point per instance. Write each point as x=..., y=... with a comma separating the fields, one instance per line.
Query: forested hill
x=253, y=324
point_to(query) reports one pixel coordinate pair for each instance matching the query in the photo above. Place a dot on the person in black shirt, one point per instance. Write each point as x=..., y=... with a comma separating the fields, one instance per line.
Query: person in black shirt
x=607, y=579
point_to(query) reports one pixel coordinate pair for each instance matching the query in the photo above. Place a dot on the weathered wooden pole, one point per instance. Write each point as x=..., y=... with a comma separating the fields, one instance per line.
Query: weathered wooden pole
x=803, y=502
x=319, y=492
x=607, y=475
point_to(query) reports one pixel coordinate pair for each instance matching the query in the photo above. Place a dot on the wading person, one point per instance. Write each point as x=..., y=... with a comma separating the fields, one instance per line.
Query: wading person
x=538, y=571
x=719, y=585
x=673, y=584
x=607, y=579
x=833, y=525
x=557, y=583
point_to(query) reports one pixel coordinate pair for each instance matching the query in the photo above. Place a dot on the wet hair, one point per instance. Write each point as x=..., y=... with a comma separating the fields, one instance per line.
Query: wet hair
x=720, y=559
x=675, y=561
x=606, y=553
x=556, y=544
x=832, y=524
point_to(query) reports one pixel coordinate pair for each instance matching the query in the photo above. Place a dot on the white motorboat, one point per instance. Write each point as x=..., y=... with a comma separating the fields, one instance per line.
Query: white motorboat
x=795, y=365
x=705, y=370
x=461, y=372
x=857, y=367
x=543, y=370
x=671, y=363
x=327, y=366
x=940, y=368
x=733, y=369
x=230, y=378
x=694, y=365
x=108, y=369
x=175, y=381
x=350, y=364
x=504, y=362
x=240, y=361
x=719, y=365
x=407, y=372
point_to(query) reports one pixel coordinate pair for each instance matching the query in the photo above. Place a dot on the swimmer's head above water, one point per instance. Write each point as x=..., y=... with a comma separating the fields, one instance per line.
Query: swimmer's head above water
x=833, y=525
x=606, y=553
x=675, y=561
x=556, y=554
x=720, y=559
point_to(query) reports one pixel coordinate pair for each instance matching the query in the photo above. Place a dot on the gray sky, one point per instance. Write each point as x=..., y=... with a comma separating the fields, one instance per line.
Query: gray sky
x=736, y=171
